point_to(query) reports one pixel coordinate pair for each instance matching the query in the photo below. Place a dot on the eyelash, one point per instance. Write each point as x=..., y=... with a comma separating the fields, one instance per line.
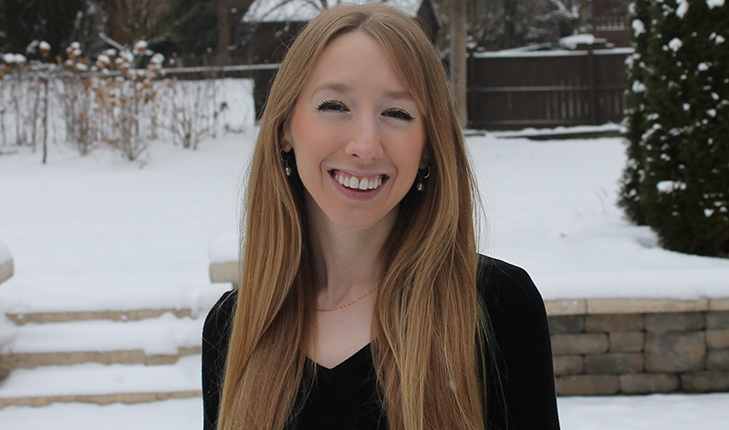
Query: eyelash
x=331, y=105
x=337, y=106
x=400, y=113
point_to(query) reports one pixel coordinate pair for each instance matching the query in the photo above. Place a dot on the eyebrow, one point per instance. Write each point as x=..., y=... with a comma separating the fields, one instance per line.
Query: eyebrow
x=346, y=89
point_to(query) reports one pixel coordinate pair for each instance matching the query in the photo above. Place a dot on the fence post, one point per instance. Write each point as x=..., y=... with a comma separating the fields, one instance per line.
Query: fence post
x=593, y=90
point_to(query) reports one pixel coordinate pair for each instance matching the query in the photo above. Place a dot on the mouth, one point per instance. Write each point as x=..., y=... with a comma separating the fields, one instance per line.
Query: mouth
x=360, y=183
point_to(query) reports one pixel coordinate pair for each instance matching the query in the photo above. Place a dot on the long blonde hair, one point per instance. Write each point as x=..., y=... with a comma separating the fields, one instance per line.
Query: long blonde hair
x=427, y=320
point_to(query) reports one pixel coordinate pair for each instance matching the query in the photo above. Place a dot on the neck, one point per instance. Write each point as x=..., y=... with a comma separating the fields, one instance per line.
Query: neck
x=347, y=262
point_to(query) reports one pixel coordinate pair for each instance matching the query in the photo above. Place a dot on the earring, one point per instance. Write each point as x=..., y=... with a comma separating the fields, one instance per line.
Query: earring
x=419, y=186
x=285, y=160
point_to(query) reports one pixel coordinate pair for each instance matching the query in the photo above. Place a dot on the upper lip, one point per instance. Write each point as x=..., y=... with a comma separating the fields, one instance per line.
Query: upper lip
x=358, y=174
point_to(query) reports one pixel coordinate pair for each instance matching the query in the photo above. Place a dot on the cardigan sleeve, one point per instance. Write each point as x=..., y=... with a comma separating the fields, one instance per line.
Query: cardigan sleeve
x=520, y=391
x=215, y=336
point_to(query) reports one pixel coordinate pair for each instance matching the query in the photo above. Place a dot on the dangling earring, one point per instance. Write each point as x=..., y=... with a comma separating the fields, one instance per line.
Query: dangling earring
x=419, y=186
x=285, y=159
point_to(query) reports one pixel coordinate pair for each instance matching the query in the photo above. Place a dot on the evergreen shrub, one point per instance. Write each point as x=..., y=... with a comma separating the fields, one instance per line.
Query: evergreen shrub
x=677, y=176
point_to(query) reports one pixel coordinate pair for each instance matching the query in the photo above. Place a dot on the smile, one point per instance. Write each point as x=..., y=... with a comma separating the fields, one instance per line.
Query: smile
x=358, y=183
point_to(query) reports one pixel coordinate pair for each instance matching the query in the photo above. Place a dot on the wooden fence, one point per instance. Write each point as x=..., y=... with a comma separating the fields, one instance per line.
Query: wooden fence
x=546, y=88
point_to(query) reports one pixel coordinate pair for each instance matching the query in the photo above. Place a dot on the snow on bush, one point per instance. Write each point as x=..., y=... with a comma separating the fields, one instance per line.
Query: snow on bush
x=111, y=102
x=677, y=176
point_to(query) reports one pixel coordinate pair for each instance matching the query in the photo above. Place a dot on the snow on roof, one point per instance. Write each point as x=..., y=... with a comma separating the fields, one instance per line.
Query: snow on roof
x=305, y=10
x=570, y=42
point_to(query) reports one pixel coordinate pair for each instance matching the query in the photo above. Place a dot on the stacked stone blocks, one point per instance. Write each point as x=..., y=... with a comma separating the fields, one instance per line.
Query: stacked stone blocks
x=641, y=353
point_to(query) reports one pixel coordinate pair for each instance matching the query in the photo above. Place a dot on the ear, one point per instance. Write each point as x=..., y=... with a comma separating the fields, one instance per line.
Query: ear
x=425, y=156
x=286, y=138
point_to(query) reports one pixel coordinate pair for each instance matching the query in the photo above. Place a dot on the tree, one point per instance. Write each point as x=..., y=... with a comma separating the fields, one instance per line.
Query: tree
x=25, y=21
x=677, y=177
x=459, y=73
x=636, y=73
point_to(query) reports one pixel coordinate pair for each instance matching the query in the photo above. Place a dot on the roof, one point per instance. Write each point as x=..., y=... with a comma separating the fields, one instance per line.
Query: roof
x=305, y=10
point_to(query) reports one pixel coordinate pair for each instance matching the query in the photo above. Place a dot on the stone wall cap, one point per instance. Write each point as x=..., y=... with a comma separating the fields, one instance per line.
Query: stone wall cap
x=229, y=272
x=7, y=268
x=633, y=306
x=225, y=272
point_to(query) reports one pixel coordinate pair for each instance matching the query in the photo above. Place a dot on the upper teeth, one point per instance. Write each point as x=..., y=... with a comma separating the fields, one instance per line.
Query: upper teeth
x=357, y=183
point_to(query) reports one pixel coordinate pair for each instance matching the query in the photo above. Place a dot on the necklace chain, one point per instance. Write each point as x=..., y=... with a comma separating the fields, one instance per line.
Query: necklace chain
x=350, y=303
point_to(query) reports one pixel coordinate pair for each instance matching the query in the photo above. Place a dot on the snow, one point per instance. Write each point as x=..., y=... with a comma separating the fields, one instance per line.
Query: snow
x=14, y=58
x=682, y=8
x=101, y=379
x=178, y=414
x=5, y=254
x=714, y=3
x=669, y=186
x=665, y=412
x=305, y=10
x=551, y=208
x=638, y=27
x=97, y=232
x=675, y=44
x=100, y=233
x=558, y=131
x=511, y=53
x=155, y=336
x=638, y=87
x=571, y=42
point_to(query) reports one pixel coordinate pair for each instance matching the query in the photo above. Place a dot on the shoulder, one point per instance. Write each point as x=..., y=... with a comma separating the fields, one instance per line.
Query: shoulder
x=216, y=329
x=519, y=347
x=510, y=298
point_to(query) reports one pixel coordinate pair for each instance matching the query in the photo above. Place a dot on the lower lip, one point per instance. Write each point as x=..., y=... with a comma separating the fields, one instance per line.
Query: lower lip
x=356, y=194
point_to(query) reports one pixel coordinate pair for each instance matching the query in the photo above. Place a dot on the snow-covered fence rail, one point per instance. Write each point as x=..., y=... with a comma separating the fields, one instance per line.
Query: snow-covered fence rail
x=513, y=90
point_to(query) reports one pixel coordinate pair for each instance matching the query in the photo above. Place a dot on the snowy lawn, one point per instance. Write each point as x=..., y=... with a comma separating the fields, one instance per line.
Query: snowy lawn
x=97, y=231
x=665, y=412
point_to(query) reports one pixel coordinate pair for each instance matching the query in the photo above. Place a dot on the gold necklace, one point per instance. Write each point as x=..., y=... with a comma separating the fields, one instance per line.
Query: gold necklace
x=350, y=303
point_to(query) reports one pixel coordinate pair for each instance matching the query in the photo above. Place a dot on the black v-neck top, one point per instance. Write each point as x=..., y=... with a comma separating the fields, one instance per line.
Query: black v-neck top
x=520, y=379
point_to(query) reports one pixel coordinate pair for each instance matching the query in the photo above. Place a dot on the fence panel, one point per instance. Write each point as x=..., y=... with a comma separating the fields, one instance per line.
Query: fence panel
x=546, y=89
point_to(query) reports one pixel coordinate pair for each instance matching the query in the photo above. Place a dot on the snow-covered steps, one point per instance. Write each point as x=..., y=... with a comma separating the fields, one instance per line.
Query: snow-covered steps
x=130, y=315
x=160, y=340
x=101, y=384
x=128, y=339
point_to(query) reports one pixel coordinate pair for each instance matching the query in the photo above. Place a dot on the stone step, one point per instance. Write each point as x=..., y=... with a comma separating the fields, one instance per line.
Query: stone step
x=101, y=384
x=61, y=317
x=160, y=340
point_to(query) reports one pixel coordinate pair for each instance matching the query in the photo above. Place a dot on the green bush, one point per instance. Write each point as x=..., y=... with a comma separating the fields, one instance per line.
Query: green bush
x=677, y=176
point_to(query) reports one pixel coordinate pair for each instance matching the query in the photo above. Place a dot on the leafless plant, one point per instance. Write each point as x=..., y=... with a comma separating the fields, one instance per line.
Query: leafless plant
x=193, y=110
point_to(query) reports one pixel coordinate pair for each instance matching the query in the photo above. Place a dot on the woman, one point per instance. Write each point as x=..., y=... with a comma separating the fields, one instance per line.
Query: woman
x=363, y=303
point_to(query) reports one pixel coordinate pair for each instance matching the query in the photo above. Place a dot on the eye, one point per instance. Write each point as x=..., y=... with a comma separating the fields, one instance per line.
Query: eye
x=399, y=113
x=332, y=105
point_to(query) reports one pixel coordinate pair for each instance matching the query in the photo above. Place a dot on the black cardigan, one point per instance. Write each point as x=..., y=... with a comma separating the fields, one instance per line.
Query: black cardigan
x=521, y=394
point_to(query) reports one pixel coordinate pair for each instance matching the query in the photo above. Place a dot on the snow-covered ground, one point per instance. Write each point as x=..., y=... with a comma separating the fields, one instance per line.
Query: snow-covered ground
x=664, y=412
x=98, y=232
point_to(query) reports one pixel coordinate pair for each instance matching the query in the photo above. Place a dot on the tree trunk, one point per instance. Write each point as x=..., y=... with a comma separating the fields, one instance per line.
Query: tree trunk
x=223, y=8
x=509, y=23
x=459, y=31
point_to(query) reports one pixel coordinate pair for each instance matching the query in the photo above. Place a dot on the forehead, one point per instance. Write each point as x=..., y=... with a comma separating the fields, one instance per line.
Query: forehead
x=354, y=60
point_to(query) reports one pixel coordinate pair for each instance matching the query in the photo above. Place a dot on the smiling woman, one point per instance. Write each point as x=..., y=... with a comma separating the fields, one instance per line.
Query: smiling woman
x=363, y=303
x=355, y=124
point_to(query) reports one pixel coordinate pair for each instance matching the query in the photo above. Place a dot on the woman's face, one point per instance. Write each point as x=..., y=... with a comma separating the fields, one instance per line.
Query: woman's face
x=357, y=134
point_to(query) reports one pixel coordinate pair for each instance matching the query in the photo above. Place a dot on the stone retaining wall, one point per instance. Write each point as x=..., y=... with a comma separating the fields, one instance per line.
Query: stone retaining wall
x=641, y=349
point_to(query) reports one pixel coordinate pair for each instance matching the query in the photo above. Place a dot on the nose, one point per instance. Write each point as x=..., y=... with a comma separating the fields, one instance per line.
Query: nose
x=364, y=139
